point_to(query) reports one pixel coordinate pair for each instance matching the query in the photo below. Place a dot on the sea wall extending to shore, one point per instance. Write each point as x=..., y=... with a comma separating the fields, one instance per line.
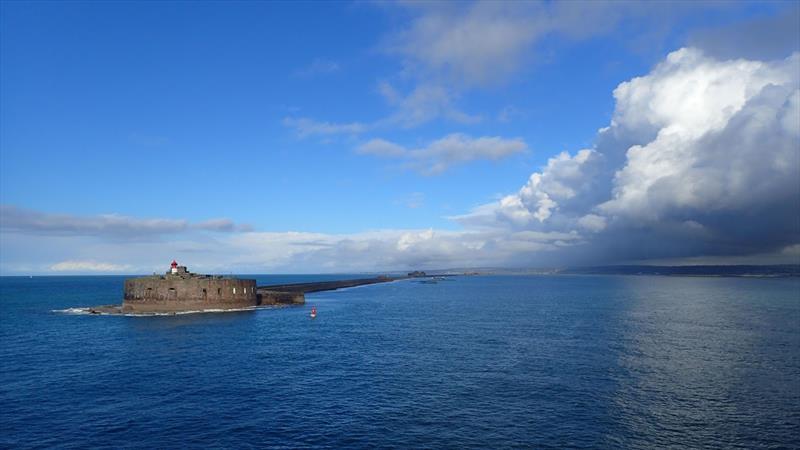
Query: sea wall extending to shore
x=294, y=294
x=327, y=285
x=267, y=297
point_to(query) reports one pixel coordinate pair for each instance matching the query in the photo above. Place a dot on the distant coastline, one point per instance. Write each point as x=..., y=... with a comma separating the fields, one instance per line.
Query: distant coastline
x=750, y=271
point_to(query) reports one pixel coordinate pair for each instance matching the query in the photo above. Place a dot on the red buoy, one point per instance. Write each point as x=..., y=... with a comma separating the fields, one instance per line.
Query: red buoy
x=313, y=312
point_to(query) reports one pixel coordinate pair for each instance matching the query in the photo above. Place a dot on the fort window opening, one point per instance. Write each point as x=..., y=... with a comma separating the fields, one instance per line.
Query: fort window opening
x=219, y=291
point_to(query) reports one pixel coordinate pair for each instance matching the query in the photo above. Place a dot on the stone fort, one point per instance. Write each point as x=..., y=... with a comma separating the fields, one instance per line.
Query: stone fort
x=181, y=290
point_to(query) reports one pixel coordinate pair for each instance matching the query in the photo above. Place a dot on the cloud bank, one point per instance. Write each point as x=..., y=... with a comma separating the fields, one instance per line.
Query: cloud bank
x=448, y=48
x=88, y=266
x=25, y=221
x=477, y=44
x=700, y=163
x=305, y=127
x=446, y=152
x=701, y=157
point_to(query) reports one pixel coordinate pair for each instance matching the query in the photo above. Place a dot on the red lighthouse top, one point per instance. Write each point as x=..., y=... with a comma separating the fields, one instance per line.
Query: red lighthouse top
x=174, y=264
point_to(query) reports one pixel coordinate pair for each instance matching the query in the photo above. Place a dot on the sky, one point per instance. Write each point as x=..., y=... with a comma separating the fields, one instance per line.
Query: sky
x=310, y=137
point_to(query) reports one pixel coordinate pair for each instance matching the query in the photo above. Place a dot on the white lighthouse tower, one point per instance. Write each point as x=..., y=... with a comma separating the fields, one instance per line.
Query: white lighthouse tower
x=174, y=266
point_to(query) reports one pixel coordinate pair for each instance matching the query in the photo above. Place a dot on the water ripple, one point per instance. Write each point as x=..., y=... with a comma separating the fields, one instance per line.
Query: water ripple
x=497, y=362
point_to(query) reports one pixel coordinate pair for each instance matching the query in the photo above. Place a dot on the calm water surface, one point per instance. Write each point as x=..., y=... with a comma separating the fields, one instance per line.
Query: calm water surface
x=488, y=362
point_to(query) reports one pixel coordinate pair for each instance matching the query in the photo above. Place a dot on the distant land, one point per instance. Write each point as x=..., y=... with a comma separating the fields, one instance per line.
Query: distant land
x=783, y=270
x=774, y=271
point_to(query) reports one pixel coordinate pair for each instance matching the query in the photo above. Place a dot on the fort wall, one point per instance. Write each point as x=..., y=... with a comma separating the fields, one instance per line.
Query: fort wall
x=174, y=293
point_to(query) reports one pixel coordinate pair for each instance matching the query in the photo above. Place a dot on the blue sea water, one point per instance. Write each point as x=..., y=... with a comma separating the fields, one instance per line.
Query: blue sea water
x=477, y=362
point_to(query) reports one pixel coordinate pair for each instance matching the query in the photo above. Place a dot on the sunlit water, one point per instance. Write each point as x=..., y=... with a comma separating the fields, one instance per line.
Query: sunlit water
x=489, y=362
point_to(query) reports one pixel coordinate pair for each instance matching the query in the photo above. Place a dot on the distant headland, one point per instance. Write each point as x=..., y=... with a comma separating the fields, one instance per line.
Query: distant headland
x=747, y=271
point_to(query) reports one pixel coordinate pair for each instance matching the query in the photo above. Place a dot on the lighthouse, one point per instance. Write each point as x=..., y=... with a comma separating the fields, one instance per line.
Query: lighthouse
x=174, y=266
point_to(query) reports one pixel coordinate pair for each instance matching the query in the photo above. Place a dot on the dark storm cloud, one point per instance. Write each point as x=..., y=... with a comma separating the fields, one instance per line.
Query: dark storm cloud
x=771, y=37
x=702, y=158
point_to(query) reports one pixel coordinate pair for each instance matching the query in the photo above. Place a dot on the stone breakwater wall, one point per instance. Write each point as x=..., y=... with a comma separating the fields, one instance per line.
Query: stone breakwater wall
x=172, y=294
x=271, y=297
x=294, y=294
x=319, y=286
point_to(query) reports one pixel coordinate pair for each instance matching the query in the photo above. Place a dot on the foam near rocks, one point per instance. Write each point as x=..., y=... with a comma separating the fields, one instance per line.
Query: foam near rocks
x=88, y=311
x=72, y=311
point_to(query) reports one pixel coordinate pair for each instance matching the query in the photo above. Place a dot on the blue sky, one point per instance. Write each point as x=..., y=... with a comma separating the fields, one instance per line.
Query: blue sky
x=199, y=129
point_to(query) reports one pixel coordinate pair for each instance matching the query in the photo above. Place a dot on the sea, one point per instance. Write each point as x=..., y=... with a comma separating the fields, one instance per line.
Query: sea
x=470, y=362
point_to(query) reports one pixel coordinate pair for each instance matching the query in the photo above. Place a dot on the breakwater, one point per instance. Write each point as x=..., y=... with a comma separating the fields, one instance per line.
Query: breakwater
x=327, y=285
x=294, y=294
x=270, y=295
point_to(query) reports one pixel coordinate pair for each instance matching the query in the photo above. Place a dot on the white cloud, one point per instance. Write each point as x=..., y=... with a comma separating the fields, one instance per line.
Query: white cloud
x=414, y=200
x=761, y=37
x=443, y=153
x=423, y=104
x=792, y=251
x=305, y=127
x=480, y=43
x=508, y=114
x=592, y=222
x=269, y=252
x=382, y=147
x=319, y=66
x=14, y=219
x=445, y=48
x=727, y=132
x=448, y=48
x=701, y=162
x=702, y=157
x=563, y=184
x=564, y=178
x=222, y=224
x=473, y=45
x=407, y=249
x=87, y=266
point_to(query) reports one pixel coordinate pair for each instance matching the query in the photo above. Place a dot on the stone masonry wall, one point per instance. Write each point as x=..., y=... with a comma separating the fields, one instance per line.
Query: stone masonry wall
x=174, y=294
x=267, y=297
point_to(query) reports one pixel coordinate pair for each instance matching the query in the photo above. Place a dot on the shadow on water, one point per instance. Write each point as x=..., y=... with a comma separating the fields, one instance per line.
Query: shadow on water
x=166, y=322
